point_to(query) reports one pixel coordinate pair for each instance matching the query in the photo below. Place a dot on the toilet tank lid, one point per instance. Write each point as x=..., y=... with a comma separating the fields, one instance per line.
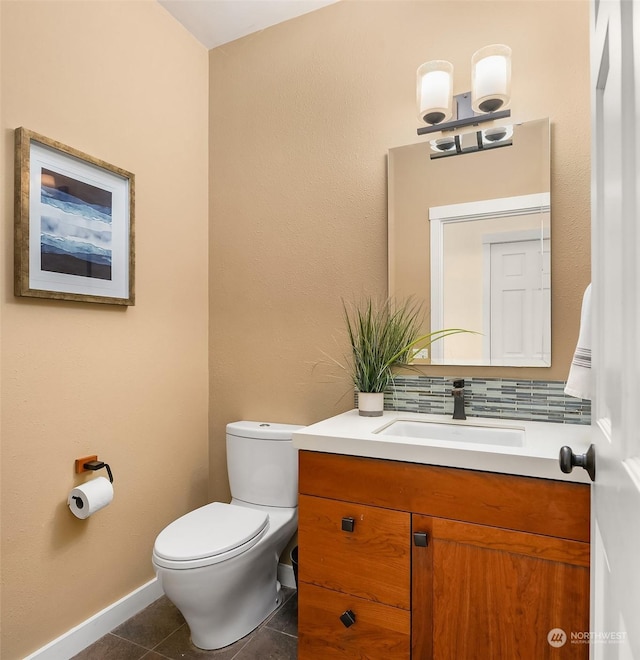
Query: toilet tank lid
x=265, y=430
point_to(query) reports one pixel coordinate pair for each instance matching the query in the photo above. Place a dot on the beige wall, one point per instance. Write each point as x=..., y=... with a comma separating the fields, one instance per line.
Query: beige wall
x=302, y=116
x=125, y=83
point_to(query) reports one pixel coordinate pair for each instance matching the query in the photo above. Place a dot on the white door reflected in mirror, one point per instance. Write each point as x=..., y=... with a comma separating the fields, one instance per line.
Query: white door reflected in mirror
x=490, y=272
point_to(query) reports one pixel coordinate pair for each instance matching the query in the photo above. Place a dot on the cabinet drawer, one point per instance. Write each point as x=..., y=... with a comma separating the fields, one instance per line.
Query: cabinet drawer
x=380, y=632
x=372, y=561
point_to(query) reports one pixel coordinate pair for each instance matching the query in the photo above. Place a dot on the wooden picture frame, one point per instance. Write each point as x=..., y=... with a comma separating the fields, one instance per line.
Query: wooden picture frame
x=74, y=224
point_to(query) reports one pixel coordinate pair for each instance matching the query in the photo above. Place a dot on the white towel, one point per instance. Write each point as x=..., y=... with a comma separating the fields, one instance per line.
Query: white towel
x=579, y=380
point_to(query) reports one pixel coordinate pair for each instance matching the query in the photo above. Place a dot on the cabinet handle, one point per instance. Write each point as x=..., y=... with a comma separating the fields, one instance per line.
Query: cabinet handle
x=421, y=539
x=348, y=618
x=348, y=524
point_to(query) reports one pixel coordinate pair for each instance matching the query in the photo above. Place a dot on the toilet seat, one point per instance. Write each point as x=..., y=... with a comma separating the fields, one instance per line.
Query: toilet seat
x=208, y=535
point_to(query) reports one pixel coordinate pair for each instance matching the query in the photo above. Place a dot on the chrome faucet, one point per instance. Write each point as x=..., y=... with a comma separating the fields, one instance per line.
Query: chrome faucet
x=458, y=399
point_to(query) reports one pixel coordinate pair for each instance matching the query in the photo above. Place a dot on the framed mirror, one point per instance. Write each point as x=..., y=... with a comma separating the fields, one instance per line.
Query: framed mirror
x=470, y=237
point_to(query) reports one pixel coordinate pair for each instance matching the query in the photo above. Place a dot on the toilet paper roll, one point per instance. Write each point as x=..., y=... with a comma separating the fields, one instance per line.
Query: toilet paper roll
x=90, y=497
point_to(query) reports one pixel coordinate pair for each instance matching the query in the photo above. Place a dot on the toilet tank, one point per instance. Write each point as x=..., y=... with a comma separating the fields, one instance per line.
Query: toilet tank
x=263, y=463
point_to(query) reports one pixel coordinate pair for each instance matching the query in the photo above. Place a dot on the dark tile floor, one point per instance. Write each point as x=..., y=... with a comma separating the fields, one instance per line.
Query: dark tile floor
x=159, y=633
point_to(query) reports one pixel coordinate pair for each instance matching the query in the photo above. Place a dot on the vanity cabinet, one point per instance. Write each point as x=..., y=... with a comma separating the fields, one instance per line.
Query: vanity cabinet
x=401, y=560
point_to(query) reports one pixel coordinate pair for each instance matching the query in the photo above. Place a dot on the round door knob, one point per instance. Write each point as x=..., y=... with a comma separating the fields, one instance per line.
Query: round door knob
x=587, y=461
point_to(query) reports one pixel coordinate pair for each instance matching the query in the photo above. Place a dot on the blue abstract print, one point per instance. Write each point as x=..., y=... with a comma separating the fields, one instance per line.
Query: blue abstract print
x=75, y=227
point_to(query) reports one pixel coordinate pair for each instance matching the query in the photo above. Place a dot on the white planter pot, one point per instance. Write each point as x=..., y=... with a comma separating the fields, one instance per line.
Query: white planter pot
x=371, y=404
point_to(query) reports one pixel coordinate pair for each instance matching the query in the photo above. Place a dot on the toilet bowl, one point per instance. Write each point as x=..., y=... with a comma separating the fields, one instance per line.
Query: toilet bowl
x=218, y=564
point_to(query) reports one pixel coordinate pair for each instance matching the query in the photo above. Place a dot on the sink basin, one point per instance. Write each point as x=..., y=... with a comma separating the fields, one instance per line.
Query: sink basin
x=452, y=432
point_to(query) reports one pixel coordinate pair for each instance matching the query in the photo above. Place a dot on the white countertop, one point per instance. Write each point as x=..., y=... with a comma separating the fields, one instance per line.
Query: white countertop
x=354, y=435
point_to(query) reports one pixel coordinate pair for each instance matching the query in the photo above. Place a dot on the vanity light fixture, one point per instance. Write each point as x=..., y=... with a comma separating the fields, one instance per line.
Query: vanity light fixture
x=490, y=93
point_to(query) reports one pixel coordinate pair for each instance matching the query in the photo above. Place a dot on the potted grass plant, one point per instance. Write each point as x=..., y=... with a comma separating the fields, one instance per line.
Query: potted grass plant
x=383, y=336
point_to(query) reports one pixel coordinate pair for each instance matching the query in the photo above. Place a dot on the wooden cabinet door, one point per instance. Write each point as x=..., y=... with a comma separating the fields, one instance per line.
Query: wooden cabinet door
x=370, y=559
x=481, y=591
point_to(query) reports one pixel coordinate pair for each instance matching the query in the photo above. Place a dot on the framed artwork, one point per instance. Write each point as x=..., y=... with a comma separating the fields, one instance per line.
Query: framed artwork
x=74, y=224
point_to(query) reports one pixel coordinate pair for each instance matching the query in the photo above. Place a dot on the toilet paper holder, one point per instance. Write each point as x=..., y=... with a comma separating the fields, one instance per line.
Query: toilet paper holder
x=92, y=463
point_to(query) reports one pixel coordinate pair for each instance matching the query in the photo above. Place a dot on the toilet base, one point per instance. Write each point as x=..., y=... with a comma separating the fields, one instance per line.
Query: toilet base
x=218, y=608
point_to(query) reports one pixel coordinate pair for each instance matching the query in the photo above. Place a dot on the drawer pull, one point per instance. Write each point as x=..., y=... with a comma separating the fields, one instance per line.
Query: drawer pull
x=348, y=524
x=421, y=539
x=348, y=618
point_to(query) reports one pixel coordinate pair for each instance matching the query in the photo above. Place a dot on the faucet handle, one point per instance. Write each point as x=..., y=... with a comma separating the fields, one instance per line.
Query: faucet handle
x=458, y=383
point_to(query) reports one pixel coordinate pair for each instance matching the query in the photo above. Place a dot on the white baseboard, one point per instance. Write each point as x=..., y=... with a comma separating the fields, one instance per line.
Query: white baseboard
x=286, y=576
x=91, y=630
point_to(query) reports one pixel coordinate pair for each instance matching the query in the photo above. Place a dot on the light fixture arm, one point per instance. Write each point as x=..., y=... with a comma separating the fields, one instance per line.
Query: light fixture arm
x=464, y=116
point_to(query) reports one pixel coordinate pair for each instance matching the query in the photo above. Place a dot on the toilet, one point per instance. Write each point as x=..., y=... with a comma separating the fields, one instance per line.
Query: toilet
x=218, y=564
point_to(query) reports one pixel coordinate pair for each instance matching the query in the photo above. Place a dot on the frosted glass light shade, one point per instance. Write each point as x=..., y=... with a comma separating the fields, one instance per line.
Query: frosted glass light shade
x=491, y=78
x=435, y=91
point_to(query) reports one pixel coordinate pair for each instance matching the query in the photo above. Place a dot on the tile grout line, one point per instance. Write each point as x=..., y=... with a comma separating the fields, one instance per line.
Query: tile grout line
x=282, y=632
x=162, y=641
x=124, y=639
x=248, y=639
x=162, y=655
x=153, y=648
x=265, y=624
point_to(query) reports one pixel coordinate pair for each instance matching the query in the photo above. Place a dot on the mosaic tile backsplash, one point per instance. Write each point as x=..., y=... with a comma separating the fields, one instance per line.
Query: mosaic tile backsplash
x=536, y=400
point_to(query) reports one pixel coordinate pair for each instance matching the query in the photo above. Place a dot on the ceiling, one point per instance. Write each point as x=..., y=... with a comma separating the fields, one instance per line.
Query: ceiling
x=216, y=22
